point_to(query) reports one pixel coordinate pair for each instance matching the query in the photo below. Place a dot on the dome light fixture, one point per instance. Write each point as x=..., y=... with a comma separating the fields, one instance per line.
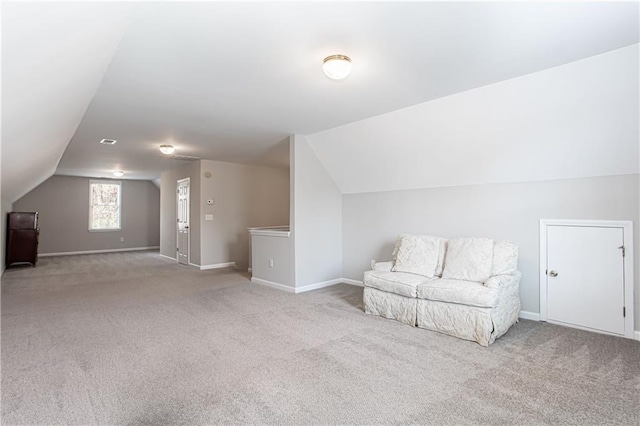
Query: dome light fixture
x=337, y=67
x=167, y=149
x=118, y=173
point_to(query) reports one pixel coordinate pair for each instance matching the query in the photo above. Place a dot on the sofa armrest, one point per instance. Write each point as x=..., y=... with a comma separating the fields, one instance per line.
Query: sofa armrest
x=500, y=281
x=382, y=266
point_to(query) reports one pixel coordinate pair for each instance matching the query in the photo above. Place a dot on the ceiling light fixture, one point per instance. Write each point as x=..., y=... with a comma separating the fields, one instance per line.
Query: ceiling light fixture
x=118, y=173
x=337, y=67
x=167, y=149
x=108, y=141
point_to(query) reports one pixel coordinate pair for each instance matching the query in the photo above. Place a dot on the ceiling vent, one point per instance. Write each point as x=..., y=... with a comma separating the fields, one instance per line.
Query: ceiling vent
x=184, y=158
x=108, y=141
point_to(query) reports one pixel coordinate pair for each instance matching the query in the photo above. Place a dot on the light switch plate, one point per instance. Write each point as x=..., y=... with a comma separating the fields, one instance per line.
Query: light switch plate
x=208, y=217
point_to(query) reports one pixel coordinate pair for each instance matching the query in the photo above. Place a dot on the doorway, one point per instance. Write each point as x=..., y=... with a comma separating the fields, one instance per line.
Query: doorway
x=183, y=221
x=586, y=275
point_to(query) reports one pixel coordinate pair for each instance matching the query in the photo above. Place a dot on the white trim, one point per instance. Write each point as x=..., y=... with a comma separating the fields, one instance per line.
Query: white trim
x=306, y=288
x=216, y=266
x=249, y=270
x=627, y=227
x=637, y=335
x=316, y=286
x=167, y=257
x=271, y=284
x=271, y=232
x=533, y=316
x=592, y=330
x=71, y=253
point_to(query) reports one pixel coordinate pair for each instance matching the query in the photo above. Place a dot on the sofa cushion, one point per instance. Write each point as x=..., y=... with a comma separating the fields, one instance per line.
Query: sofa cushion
x=505, y=258
x=469, y=259
x=417, y=254
x=401, y=283
x=458, y=291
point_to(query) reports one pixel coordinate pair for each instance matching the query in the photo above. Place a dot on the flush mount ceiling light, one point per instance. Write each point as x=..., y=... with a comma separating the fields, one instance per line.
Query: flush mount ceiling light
x=108, y=141
x=337, y=67
x=118, y=173
x=167, y=149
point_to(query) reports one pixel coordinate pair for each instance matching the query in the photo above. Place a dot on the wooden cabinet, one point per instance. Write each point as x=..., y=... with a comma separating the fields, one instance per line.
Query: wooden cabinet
x=22, y=238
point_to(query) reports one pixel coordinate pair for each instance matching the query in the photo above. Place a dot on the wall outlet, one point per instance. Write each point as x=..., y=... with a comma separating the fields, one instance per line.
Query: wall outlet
x=373, y=262
x=208, y=217
x=121, y=239
x=270, y=263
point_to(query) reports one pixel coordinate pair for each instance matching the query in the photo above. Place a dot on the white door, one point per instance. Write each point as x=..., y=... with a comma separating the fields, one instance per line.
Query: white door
x=183, y=221
x=585, y=277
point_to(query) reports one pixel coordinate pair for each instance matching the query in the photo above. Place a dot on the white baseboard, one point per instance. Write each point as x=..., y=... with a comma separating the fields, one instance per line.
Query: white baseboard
x=216, y=266
x=533, y=316
x=306, y=288
x=168, y=257
x=271, y=284
x=636, y=335
x=316, y=286
x=71, y=253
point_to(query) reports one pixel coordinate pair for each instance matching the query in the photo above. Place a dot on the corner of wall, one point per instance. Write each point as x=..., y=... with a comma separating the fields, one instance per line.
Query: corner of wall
x=316, y=217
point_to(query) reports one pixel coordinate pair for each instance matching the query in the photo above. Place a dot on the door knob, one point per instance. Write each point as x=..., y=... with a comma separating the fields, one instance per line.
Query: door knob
x=553, y=274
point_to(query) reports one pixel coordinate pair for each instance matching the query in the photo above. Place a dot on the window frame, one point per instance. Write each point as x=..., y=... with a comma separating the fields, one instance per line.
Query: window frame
x=110, y=182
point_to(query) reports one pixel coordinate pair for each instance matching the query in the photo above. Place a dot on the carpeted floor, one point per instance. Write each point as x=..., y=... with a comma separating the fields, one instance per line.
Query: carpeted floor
x=136, y=339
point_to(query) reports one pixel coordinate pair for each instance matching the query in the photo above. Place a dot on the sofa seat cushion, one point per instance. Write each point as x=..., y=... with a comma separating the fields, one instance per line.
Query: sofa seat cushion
x=457, y=291
x=401, y=283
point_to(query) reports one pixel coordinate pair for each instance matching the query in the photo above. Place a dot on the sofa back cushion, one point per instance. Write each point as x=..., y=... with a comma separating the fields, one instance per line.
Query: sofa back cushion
x=505, y=258
x=469, y=259
x=416, y=254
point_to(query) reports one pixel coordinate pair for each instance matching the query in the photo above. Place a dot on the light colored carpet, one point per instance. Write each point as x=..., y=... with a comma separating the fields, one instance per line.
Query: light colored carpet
x=136, y=339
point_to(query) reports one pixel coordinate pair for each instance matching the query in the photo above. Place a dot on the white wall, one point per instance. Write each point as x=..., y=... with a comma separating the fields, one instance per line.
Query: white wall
x=575, y=120
x=317, y=217
x=372, y=221
x=279, y=250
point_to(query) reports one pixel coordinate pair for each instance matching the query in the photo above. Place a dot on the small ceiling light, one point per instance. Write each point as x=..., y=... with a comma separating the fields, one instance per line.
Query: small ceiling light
x=108, y=141
x=167, y=149
x=337, y=67
x=118, y=173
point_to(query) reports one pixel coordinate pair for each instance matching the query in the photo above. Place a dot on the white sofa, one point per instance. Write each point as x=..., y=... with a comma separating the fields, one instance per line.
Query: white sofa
x=472, y=293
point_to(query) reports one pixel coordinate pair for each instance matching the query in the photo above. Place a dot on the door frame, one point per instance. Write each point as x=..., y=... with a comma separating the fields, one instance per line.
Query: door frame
x=178, y=226
x=627, y=228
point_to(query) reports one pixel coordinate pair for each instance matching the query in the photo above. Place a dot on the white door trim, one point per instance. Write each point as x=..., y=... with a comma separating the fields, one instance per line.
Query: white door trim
x=627, y=228
x=178, y=227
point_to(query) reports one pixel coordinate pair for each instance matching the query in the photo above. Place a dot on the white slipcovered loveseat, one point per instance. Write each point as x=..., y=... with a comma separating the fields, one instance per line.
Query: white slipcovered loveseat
x=465, y=287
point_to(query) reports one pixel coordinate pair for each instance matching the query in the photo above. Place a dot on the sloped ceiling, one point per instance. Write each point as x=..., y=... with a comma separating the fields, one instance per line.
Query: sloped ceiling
x=573, y=121
x=230, y=81
x=54, y=56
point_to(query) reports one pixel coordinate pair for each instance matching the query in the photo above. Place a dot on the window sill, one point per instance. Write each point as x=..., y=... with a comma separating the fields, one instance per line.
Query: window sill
x=106, y=230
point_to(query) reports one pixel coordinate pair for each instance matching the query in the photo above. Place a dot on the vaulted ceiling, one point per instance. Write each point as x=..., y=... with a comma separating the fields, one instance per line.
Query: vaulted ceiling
x=230, y=81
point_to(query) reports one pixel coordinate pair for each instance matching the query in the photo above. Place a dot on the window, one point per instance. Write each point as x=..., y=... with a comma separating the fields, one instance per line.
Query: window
x=104, y=205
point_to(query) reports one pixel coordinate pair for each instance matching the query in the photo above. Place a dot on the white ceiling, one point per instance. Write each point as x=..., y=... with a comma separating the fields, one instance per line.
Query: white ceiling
x=572, y=121
x=230, y=81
